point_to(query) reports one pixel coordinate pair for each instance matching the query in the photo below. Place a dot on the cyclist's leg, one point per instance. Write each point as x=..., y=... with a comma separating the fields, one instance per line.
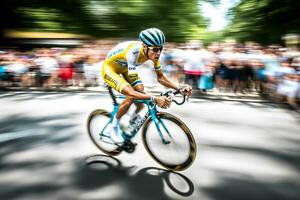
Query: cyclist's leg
x=124, y=106
x=134, y=91
x=138, y=86
x=113, y=79
x=116, y=81
x=120, y=84
x=139, y=106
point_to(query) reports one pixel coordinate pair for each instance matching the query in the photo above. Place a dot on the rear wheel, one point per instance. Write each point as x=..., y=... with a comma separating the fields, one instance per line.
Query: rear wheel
x=173, y=146
x=98, y=124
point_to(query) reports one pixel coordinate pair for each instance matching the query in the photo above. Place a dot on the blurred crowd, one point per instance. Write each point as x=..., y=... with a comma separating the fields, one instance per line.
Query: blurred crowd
x=51, y=67
x=272, y=71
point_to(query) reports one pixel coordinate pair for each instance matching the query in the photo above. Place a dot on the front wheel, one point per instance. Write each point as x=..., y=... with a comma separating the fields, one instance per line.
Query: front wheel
x=169, y=142
x=98, y=124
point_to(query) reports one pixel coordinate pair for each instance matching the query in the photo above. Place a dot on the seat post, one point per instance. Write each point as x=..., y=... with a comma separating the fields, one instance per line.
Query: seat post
x=112, y=95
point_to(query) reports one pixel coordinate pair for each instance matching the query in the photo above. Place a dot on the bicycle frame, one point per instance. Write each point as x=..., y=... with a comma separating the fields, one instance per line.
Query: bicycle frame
x=179, y=151
x=152, y=112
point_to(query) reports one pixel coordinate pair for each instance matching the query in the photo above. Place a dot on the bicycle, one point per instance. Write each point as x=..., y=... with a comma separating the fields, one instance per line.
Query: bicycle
x=166, y=138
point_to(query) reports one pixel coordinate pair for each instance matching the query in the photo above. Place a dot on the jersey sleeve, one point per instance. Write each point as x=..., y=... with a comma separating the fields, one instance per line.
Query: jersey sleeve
x=131, y=57
x=157, y=66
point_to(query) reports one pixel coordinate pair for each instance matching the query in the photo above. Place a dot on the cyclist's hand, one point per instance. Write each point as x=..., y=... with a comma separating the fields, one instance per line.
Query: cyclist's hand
x=163, y=101
x=186, y=90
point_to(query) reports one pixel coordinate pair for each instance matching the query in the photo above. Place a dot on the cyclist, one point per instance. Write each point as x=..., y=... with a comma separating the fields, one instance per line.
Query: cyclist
x=119, y=71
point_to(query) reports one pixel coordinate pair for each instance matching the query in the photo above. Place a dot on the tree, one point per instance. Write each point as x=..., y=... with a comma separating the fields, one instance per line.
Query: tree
x=179, y=19
x=264, y=21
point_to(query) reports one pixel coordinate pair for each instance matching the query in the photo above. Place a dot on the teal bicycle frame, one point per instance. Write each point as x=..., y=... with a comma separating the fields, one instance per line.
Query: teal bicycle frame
x=152, y=112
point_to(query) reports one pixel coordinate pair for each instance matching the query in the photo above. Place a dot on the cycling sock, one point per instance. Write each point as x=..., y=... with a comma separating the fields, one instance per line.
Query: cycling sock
x=115, y=122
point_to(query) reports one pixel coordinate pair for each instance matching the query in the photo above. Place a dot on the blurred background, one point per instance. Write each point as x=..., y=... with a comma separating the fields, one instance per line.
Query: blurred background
x=240, y=56
x=266, y=21
x=214, y=45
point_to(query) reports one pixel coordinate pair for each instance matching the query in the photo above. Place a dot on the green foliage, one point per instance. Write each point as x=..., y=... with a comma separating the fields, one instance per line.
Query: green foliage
x=213, y=2
x=264, y=21
x=179, y=19
x=214, y=36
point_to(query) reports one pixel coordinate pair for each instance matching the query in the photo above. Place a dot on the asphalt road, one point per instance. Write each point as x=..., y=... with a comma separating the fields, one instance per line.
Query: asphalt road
x=246, y=150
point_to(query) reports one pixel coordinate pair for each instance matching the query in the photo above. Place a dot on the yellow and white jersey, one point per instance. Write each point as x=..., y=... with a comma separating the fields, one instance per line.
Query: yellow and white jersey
x=127, y=56
x=120, y=66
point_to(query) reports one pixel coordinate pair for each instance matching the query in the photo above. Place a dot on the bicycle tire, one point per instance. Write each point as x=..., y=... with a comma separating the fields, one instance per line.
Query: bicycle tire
x=93, y=136
x=191, y=154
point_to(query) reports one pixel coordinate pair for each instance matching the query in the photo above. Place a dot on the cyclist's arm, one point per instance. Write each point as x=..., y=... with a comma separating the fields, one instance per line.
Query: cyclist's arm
x=162, y=79
x=161, y=101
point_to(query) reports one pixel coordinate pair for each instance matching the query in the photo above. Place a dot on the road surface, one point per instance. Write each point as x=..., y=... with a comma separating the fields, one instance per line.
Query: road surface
x=246, y=150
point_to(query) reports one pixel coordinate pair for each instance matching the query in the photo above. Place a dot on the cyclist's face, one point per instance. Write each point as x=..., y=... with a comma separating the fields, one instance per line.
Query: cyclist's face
x=154, y=53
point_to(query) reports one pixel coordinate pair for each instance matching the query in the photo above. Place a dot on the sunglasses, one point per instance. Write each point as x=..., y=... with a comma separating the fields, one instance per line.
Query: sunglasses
x=156, y=49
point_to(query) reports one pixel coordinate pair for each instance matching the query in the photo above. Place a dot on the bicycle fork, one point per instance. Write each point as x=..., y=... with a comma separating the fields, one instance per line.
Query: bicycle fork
x=159, y=123
x=104, y=136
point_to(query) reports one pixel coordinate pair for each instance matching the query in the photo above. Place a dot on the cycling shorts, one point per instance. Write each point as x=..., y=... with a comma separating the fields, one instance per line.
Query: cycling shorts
x=119, y=78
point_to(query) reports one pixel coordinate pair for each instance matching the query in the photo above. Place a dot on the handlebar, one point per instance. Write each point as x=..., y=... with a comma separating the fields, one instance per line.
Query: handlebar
x=172, y=93
x=168, y=93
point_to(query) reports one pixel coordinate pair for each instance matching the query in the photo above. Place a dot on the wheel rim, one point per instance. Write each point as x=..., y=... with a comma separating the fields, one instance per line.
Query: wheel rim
x=169, y=155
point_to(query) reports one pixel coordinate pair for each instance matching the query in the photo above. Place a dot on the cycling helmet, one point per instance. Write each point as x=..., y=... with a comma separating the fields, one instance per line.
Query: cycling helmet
x=152, y=37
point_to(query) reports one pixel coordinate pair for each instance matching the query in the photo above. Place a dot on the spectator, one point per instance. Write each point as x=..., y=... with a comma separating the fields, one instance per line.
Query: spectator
x=193, y=64
x=66, y=69
x=206, y=81
x=79, y=78
x=48, y=66
x=288, y=84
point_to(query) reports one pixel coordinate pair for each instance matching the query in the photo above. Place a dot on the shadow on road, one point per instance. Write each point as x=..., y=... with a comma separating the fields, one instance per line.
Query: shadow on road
x=147, y=183
x=102, y=176
x=235, y=184
x=21, y=132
